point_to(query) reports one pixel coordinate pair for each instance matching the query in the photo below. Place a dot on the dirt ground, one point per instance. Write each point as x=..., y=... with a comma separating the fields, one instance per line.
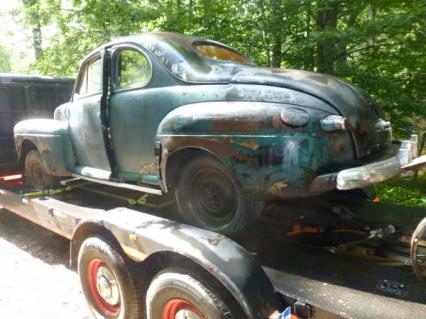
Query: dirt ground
x=35, y=280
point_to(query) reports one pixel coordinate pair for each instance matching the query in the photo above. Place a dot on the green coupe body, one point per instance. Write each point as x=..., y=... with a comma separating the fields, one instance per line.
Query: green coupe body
x=144, y=106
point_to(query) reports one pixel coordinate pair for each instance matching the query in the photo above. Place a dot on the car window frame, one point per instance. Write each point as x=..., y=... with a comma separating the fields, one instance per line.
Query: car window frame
x=114, y=61
x=85, y=66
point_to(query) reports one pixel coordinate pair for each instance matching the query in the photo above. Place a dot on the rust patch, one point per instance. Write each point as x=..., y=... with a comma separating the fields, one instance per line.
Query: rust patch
x=237, y=124
x=339, y=148
x=277, y=188
x=251, y=144
x=148, y=169
x=277, y=123
x=220, y=146
x=216, y=240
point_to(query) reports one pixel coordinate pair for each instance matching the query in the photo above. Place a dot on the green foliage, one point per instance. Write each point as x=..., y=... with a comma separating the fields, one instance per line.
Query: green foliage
x=4, y=60
x=410, y=192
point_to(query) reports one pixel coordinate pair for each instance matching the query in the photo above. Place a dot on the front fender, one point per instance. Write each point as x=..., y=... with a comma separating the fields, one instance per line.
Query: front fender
x=52, y=140
x=230, y=130
x=254, y=143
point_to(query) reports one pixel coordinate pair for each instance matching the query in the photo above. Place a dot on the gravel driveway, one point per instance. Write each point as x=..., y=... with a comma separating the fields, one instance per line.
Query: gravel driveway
x=35, y=280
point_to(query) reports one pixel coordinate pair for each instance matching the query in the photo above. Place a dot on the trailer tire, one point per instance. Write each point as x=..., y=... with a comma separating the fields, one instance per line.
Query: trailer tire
x=109, y=282
x=35, y=173
x=172, y=292
x=208, y=196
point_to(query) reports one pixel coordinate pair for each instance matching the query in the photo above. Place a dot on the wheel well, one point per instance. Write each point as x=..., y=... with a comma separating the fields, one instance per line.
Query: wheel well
x=178, y=159
x=26, y=147
x=85, y=231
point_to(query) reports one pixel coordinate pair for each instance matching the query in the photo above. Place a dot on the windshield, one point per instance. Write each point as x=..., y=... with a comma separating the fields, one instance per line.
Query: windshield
x=216, y=52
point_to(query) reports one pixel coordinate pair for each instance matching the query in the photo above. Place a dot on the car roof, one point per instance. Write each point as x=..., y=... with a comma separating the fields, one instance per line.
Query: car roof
x=177, y=53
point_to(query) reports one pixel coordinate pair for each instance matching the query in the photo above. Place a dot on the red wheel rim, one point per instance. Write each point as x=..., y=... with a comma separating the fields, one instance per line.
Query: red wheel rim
x=173, y=306
x=104, y=307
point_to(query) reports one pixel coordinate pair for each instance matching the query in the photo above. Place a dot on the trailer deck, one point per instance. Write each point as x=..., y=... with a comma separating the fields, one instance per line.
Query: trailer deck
x=327, y=266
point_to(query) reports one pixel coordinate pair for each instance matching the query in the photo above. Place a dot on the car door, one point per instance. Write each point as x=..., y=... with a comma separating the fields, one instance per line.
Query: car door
x=132, y=126
x=85, y=124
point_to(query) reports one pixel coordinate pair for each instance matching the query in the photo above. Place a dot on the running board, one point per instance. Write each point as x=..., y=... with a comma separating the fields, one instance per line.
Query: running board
x=138, y=188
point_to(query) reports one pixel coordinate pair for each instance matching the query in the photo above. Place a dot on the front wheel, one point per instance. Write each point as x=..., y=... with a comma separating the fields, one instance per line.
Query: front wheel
x=208, y=197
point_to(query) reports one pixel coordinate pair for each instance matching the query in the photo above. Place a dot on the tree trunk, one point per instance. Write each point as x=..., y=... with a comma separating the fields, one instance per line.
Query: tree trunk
x=326, y=21
x=33, y=18
x=277, y=51
x=309, y=60
x=277, y=20
x=37, y=41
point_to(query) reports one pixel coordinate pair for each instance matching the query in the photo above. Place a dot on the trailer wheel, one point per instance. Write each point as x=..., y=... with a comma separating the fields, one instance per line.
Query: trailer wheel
x=418, y=251
x=109, y=283
x=208, y=197
x=173, y=294
x=35, y=173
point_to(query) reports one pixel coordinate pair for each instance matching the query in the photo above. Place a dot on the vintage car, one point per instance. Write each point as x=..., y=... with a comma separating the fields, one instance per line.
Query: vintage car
x=165, y=112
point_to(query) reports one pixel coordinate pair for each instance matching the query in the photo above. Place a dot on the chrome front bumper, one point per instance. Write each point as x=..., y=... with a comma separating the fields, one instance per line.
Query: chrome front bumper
x=380, y=171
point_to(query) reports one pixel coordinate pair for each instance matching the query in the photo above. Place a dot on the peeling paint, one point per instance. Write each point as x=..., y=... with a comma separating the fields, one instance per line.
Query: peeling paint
x=251, y=144
x=277, y=188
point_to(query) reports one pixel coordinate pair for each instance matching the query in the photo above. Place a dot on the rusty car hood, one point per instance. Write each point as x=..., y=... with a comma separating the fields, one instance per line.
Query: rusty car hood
x=339, y=94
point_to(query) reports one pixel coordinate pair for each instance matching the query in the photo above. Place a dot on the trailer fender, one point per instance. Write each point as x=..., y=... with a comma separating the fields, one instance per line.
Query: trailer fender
x=51, y=139
x=142, y=235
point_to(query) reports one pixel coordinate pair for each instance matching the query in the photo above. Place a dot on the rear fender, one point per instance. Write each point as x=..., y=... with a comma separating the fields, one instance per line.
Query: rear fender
x=52, y=140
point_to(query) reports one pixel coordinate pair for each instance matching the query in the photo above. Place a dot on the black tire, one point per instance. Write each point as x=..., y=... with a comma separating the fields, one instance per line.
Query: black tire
x=35, y=174
x=124, y=299
x=208, y=197
x=172, y=291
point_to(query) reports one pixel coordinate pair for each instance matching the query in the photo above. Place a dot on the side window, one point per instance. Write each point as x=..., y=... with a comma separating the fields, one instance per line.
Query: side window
x=133, y=69
x=91, y=78
x=82, y=86
x=94, y=77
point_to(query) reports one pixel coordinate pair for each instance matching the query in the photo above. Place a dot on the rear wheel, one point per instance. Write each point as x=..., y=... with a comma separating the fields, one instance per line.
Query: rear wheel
x=110, y=283
x=35, y=173
x=175, y=295
x=208, y=197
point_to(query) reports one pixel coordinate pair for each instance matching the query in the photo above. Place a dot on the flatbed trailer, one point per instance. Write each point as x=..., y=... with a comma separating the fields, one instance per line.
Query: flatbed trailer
x=339, y=256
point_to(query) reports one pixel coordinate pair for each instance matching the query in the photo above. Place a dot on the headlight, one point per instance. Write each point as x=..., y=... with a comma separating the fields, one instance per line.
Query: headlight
x=335, y=123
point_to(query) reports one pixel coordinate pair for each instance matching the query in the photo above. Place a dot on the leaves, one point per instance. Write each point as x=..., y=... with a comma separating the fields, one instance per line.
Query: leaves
x=404, y=191
x=4, y=60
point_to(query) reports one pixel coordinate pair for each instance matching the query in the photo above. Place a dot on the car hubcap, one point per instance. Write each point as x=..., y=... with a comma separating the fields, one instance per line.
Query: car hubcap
x=37, y=171
x=181, y=309
x=107, y=286
x=104, y=288
x=214, y=197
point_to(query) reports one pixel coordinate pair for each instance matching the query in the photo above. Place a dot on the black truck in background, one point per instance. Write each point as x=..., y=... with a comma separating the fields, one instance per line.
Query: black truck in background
x=24, y=97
